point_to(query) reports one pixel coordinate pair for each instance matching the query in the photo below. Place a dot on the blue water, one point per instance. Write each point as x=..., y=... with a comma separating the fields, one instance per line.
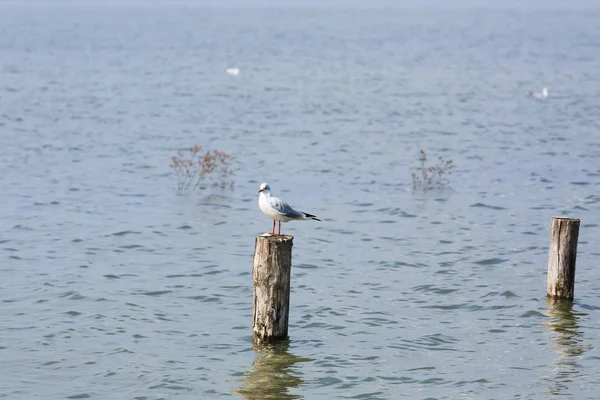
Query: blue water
x=114, y=285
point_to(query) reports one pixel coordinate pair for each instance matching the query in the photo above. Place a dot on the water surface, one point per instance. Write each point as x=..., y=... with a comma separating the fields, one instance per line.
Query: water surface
x=116, y=286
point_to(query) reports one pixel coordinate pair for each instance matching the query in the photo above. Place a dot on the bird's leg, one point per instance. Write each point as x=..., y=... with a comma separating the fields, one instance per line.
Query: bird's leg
x=279, y=233
x=273, y=230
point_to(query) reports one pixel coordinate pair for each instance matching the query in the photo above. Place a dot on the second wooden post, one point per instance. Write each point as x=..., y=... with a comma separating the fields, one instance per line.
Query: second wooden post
x=561, y=257
x=271, y=272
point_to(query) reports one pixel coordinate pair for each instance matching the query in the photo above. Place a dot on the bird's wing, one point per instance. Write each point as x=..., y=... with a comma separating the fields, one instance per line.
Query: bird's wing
x=284, y=208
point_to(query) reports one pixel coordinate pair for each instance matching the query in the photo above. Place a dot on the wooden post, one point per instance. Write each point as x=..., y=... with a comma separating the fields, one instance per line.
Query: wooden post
x=561, y=257
x=271, y=278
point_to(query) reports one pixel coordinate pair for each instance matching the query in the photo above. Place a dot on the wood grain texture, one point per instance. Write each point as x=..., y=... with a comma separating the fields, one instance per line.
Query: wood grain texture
x=562, y=257
x=271, y=272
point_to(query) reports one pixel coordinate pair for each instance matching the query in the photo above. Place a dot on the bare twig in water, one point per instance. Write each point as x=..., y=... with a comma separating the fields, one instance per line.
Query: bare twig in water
x=198, y=169
x=426, y=178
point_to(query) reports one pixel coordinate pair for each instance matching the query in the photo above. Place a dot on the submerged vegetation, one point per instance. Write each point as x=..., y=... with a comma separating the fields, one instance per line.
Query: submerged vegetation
x=432, y=177
x=199, y=169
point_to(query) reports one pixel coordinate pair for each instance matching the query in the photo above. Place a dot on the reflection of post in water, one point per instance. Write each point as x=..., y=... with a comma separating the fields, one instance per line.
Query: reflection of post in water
x=272, y=374
x=568, y=343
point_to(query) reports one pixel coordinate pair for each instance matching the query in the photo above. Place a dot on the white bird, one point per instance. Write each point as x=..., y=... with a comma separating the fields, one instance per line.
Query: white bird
x=542, y=95
x=279, y=210
x=233, y=71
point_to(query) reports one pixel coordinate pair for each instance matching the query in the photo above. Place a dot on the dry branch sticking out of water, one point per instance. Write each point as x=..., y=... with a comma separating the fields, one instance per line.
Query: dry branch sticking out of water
x=198, y=169
x=426, y=178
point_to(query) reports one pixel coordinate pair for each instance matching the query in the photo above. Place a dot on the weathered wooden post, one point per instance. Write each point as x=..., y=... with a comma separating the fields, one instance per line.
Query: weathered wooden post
x=561, y=257
x=271, y=271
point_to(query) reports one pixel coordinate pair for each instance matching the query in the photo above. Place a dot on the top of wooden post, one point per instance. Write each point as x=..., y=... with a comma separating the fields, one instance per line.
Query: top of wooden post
x=566, y=218
x=276, y=238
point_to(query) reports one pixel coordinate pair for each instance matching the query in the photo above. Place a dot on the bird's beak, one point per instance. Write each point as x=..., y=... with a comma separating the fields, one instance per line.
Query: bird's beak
x=260, y=190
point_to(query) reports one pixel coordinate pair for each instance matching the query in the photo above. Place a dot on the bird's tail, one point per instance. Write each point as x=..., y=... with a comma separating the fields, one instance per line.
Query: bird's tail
x=310, y=216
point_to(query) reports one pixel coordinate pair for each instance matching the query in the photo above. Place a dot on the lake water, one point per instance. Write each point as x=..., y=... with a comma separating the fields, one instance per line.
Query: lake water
x=114, y=286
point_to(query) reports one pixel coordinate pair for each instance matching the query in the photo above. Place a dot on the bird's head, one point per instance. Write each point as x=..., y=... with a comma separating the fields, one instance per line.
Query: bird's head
x=264, y=188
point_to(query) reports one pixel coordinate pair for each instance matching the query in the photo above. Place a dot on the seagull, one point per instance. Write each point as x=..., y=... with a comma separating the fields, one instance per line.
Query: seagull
x=542, y=95
x=279, y=210
x=233, y=71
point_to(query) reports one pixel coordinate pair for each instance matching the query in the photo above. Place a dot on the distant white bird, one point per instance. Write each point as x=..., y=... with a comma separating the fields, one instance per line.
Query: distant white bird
x=542, y=95
x=279, y=210
x=233, y=71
